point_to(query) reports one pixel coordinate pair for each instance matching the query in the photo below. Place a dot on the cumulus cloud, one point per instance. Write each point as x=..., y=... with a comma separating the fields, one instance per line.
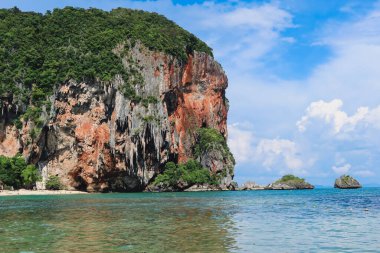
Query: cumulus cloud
x=240, y=142
x=364, y=173
x=279, y=155
x=331, y=113
x=342, y=169
x=275, y=152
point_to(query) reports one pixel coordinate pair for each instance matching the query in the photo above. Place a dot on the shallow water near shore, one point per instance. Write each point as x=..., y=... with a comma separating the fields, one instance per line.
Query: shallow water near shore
x=320, y=220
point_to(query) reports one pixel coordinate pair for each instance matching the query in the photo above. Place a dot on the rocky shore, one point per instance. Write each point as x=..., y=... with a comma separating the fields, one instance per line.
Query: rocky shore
x=287, y=182
x=251, y=186
x=289, y=186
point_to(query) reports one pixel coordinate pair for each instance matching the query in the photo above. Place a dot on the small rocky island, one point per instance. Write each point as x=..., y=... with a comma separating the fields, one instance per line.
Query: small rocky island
x=346, y=182
x=289, y=182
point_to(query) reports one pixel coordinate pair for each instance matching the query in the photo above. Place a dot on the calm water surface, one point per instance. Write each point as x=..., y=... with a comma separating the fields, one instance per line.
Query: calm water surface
x=320, y=220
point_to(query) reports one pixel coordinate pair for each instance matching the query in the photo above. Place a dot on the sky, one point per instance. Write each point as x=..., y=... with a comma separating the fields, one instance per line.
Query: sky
x=304, y=80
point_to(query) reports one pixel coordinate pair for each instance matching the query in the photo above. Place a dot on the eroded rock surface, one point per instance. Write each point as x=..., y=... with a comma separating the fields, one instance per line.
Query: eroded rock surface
x=346, y=182
x=289, y=186
x=249, y=185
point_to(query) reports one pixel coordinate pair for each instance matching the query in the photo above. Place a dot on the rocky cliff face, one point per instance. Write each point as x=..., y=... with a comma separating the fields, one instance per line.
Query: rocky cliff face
x=96, y=139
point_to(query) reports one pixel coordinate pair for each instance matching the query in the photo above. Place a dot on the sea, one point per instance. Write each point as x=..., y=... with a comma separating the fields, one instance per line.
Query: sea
x=319, y=220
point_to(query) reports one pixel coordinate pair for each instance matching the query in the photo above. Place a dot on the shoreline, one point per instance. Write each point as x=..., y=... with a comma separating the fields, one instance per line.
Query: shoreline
x=23, y=192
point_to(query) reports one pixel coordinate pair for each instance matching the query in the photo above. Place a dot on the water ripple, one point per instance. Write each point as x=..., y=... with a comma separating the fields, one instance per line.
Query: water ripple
x=322, y=220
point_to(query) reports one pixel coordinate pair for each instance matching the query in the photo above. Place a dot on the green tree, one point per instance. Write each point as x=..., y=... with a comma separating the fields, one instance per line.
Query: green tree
x=11, y=169
x=190, y=173
x=53, y=183
x=30, y=175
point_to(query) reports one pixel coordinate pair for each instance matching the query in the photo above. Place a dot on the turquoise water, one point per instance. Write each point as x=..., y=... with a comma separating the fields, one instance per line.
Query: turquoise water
x=320, y=220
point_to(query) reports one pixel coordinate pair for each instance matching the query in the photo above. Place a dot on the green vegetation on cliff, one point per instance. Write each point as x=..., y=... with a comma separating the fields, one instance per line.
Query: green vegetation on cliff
x=211, y=139
x=16, y=173
x=38, y=51
x=290, y=179
x=192, y=172
x=187, y=174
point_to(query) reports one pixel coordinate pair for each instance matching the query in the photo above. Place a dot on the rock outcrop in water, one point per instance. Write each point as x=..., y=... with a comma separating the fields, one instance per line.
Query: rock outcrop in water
x=346, y=182
x=290, y=182
x=249, y=185
x=96, y=138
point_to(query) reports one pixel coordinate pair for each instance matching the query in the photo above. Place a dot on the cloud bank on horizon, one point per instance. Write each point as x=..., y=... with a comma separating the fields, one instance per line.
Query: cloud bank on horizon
x=304, y=84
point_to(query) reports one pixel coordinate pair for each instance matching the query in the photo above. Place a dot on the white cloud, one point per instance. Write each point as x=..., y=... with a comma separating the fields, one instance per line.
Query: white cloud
x=364, y=173
x=373, y=118
x=362, y=31
x=240, y=34
x=279, y=155
x=290, y=40
x=341, y=169
x=240, y=142
x=331, y=113
x=351, y=73
x=267, y=16
x=278, y=152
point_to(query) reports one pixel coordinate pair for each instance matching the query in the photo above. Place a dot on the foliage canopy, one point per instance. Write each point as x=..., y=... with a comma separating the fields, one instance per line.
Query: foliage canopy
x=290, y=178
x=189, y=173
x=210, y=138
x=53, y=183
x=16, y=172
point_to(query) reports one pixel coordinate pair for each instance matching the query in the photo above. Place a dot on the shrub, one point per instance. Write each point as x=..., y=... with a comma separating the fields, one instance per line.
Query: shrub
x=16, y=173
x=170, y=176
x=190, y=173
x=53, y=183
x=149, y=100
x=194, y=173
x=210, y=138
x=288, y=178
x=30, y=175
x=11, y=169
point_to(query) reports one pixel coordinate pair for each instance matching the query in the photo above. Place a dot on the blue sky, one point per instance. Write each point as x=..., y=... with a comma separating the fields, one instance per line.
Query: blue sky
x=304, y=81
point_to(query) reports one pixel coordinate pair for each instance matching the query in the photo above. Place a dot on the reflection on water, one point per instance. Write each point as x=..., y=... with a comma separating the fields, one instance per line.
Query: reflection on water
x=325, y=220
x=113, y=223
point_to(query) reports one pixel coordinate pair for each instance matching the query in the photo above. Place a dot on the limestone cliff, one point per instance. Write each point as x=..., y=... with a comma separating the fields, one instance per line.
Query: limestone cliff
x=346, y=182
x=95, y=138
